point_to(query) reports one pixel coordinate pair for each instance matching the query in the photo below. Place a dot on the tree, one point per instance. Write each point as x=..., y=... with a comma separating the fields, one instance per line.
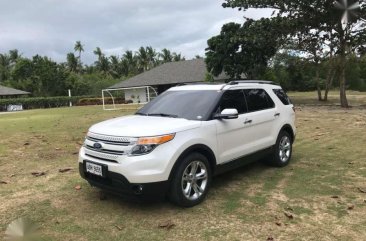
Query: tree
x=243, y=49
x=14, y=56
x=178, y=57
x=166, y=55
x=5, y=65
x=142, y=59
x=72, y=62
x=98, y=52
x=152, y=57
x=79, y=48
x=305, y=16
x=116, y=67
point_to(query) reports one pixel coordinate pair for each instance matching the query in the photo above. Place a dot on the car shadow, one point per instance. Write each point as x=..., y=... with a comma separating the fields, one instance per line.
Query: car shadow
x=219, y=183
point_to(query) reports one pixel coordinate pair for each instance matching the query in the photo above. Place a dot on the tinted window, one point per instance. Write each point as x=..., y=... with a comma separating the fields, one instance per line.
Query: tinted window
x=282, y=96
x=233, y=99
x=258, y=99
x=187, y=104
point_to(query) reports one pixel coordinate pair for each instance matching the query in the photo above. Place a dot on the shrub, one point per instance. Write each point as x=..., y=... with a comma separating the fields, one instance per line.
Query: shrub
x=40, y=102
x=99, y=101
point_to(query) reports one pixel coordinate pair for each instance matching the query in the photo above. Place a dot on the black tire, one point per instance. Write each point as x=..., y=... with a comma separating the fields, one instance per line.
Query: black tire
x=281, y=157
x=176, y=194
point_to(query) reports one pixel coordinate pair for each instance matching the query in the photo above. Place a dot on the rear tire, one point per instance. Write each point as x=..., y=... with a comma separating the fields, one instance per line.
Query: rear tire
x=282, y=151
x=191, y=180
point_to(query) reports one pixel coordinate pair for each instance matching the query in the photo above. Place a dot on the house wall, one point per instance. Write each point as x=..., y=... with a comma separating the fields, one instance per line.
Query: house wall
x=136, y=95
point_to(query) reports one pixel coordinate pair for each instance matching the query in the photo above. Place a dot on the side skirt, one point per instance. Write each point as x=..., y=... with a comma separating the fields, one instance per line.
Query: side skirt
x=241, y=161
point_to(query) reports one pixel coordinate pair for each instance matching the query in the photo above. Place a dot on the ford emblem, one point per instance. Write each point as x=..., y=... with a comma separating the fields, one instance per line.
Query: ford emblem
x=97, y=145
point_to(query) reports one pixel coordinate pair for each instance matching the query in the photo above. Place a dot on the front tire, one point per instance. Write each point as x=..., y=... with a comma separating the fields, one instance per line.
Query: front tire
x=283, y=150
x=191, y=180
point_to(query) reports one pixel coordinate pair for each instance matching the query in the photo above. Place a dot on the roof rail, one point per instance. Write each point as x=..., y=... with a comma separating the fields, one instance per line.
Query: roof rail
x=236, y=82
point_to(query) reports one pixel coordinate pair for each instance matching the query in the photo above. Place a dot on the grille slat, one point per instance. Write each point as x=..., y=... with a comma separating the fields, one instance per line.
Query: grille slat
x=113, y=152
x=109, y=142
x=117, y=139
x=112, y=146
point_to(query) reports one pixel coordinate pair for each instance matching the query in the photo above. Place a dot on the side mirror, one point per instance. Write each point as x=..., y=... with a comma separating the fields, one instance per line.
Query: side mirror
x=227, y=114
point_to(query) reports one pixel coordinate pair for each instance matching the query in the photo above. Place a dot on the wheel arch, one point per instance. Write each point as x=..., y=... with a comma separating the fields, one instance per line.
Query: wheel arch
x=199, y=148
x=288, y=129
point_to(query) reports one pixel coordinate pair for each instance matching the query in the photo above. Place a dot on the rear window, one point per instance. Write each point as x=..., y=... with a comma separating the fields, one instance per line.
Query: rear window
x=282, y=96
x=257, y=100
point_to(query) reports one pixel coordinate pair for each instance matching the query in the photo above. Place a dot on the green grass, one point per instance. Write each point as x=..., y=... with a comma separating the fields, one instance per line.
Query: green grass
x=355, y=98
x=329, y=160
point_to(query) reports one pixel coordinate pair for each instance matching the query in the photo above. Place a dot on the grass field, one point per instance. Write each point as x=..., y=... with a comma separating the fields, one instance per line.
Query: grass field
x=355, y=98
x=322, y=189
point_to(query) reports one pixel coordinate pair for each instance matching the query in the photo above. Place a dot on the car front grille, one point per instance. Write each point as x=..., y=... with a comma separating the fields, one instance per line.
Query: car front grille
x=109, y=148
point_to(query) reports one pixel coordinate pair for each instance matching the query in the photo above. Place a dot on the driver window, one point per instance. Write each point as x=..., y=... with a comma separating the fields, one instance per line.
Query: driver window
x=233, y=99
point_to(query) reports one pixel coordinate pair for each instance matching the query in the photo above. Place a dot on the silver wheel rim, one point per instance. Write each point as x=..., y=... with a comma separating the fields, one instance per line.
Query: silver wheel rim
x=285, y=149
x=194, y=180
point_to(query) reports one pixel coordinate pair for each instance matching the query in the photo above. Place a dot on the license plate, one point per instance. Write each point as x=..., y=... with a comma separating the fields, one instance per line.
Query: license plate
x=94, y=169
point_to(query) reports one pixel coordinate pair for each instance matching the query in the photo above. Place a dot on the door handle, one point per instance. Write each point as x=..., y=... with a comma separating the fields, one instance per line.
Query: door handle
x=277, y=114
x=247, y=122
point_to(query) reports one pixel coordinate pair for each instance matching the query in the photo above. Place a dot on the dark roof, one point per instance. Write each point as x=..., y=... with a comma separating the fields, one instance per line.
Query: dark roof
x=188, y=71
x=10, y=91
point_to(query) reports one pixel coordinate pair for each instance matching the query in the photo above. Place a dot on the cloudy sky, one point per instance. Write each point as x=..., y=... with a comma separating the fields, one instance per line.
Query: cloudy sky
x=51, y=27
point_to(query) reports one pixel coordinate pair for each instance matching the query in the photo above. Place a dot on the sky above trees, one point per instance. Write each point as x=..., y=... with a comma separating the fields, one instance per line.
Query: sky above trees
x=51, y=27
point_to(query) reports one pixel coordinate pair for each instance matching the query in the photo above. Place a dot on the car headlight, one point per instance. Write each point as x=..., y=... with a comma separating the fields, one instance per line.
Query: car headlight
x=145, y=145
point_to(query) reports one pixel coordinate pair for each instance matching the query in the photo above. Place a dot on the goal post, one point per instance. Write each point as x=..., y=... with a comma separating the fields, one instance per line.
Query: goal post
x=127, y=98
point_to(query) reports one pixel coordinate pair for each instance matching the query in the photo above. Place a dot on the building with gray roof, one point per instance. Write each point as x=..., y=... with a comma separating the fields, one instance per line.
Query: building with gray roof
x=6, y=92
x=170, y=74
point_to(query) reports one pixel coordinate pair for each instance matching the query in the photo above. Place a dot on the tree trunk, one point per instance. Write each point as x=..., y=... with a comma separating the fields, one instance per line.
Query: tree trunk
x=342, y=76
x=318, y=85
x=342, y=87
x=329, y=84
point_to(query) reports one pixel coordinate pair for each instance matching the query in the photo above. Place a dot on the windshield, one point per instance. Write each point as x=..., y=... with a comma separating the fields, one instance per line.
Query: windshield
x=187, y=104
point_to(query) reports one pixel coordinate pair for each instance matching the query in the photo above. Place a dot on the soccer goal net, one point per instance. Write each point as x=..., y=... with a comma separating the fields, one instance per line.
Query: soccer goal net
x=127, y=98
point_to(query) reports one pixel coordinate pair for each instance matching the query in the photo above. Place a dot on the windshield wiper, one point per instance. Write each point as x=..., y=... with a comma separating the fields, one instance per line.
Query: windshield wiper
x=163, y=115
x=139, y=113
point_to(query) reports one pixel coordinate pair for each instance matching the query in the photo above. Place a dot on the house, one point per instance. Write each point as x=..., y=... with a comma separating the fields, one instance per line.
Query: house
x=6, y=92
x=164, y=77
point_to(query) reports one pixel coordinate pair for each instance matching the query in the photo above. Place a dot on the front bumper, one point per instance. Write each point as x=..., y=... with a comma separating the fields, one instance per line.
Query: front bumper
x=118, y=184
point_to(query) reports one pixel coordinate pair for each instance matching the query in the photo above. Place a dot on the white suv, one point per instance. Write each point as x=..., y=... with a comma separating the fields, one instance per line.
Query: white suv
x=175, y=144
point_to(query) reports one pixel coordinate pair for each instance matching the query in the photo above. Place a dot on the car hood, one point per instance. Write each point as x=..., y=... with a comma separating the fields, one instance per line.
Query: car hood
x=138, y=126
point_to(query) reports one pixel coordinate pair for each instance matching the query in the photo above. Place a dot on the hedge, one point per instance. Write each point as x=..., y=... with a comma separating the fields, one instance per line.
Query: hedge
x=41, y=102
x=99, y=101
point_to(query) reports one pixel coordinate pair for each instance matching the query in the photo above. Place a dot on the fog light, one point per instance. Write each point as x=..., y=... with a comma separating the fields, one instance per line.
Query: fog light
x=137, y=189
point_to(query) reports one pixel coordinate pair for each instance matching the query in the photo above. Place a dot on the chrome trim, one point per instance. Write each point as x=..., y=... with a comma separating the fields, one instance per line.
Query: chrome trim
x=105, y=150
x=112, y=138
x=101, y=155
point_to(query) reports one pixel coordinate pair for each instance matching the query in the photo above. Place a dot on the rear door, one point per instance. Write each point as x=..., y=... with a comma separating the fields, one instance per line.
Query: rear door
x=262, y=114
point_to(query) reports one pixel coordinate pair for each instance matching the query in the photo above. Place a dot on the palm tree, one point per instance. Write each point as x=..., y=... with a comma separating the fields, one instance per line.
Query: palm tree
x=142, y=59
x=166, y=55
x=115, y=66
x=130, y=62
x=14, y=55
x=79, y=48
x=178, y=57
x=72, y=62
x=152, y=57
x=103, y=64
x=5, y=65
x=98, y=52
